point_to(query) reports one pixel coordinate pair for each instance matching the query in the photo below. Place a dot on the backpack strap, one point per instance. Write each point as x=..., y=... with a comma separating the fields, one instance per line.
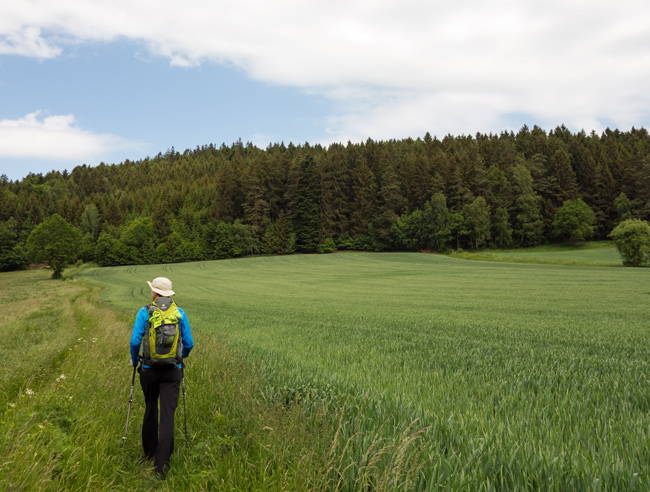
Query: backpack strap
x=151, y=308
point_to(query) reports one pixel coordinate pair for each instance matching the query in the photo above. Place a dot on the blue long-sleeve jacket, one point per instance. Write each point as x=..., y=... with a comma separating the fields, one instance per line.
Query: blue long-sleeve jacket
x=140, y=326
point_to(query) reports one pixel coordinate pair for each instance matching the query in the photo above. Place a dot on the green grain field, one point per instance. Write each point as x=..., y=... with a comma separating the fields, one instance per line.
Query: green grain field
x=595, y=253
x=450, y=374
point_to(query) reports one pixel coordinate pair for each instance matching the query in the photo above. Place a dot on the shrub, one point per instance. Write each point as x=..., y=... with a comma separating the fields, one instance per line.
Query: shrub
x=632, y=239
x=328, y=246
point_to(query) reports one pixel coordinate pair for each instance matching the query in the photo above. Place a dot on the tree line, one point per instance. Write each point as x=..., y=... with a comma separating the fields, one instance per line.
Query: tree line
x=507, y=190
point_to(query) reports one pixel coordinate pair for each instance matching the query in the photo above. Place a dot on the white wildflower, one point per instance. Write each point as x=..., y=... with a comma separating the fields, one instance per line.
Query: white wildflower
x=29, y=392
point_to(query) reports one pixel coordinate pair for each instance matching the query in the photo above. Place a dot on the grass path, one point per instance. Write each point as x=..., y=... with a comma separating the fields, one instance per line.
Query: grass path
x=64, y=407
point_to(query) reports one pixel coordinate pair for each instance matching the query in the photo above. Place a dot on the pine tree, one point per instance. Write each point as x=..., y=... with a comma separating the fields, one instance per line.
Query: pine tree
x=565, y=177
x=228, y=187
x=391, y=203
x=308, y=206
x=333, y=205
x=256, y=202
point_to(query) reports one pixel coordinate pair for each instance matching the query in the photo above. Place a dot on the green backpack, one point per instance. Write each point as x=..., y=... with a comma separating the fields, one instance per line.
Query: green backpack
x=161, y=344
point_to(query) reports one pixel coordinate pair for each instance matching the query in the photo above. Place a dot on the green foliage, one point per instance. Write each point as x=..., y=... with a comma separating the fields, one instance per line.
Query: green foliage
x=499, y=194
x=105, y=250
x=623, y=207
x=477, y=222
x=12, y=252
x=501, y=230
x=224, y=240
x=632, y=239
x=138, y=235
x=327, y=246
x=273, y=241
x=430, y=228
x=409, y=232
x=91, y=223
x=574, y=221
x=188, y=251
x=379, y=196
x=528, y=225
x=219, y=240
x=162, y=254
x=54, y=242
x=307, y=212
x=456, y=228
x=436, y=219
x=246, y=238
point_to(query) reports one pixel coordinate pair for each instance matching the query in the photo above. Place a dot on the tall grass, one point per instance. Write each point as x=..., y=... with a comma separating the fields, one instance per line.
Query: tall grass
x=62, y=429
x=35, y=315
x=457, y=375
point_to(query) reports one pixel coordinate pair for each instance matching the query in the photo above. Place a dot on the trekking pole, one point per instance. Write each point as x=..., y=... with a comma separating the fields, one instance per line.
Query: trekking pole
x=184, y=408
x=126, y=428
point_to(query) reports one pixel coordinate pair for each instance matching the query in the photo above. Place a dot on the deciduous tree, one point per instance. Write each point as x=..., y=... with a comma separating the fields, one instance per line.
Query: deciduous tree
x=574, y=221
x=54, y=242
x=477, y=221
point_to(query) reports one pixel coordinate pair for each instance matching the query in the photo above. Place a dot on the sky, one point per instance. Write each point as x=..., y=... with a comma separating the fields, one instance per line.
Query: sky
x=84, y=82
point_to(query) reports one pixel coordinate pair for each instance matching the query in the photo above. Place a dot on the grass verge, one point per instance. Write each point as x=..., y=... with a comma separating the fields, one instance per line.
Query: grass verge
x=64, y=408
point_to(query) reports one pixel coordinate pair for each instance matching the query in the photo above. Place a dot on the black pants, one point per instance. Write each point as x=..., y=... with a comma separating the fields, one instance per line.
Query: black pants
x=158, y=441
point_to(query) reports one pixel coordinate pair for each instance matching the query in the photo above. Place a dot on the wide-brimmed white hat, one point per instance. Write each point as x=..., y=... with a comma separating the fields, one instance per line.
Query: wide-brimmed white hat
x=162, y=286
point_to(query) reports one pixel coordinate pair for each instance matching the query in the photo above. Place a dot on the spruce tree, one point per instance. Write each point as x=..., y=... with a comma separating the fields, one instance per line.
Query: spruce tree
x=308, y=207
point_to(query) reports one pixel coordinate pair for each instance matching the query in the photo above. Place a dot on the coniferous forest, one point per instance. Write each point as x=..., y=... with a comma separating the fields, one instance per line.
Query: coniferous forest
x=401, y=195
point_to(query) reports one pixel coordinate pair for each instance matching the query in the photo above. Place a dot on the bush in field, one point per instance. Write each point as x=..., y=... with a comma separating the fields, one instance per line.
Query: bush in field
x=632, y=239
x=54, y=242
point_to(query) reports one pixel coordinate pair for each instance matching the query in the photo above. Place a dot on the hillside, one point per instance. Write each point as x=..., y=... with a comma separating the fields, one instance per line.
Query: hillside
x=229, y=201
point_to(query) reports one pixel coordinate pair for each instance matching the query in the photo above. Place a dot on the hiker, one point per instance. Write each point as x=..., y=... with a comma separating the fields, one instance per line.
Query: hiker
x=161, y=368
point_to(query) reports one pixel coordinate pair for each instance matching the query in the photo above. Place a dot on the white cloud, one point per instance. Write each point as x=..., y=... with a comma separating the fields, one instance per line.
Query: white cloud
x=27, y=42
x=54, y=138
x=391, y=68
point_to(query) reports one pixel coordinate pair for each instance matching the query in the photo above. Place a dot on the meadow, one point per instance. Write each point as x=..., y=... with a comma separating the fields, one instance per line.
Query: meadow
x=593, y=253
x=399, y=371
x=517, y=376
x=65, y=396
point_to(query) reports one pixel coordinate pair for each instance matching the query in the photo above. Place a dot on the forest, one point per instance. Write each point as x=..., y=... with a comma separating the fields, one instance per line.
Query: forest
x=507, y=190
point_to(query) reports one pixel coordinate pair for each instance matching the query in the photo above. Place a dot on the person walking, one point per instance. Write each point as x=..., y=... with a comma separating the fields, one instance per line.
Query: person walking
x=163, y=331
